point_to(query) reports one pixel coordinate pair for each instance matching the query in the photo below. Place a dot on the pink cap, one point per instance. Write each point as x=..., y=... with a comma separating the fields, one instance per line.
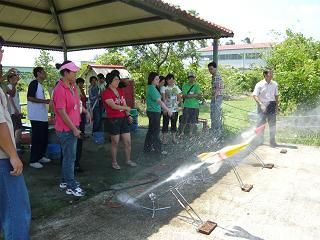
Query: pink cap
x=70, y=66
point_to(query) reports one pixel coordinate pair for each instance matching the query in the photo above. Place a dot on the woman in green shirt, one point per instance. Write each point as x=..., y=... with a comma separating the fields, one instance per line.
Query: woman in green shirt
x=154, y=105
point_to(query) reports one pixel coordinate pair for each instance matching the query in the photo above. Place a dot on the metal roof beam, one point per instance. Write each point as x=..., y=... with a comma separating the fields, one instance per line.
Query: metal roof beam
x=30, y=45
x=24, y=7
x=59, y=28
x=117, y=24
x=177, y=38
x=85, y=6
x=27, y=28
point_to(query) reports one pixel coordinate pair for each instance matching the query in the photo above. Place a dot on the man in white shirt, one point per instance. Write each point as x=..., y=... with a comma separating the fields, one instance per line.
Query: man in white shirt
x=267, y=97
x=38, y=116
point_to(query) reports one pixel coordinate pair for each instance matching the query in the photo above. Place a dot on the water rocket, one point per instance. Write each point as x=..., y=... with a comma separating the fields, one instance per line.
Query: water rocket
x=260, y=129
x=224, y=153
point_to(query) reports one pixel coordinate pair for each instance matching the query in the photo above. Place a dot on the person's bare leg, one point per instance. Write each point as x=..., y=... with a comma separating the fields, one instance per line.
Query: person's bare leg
x=191, y=126
x=182, y=129
x=126, y=138
x=174, y=139
x=114, y=146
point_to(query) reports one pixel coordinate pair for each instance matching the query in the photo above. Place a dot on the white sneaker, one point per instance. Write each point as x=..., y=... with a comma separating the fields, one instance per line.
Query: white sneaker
x=44, y=160
x=36, y=165
x=78, y=192
x=63, y=185
x=131, y=163
x=164, y=153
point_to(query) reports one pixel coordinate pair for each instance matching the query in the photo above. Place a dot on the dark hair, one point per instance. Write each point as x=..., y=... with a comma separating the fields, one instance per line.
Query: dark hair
x=59, y=65
x=266, y=71
x=109, y=78
x=92, y=78
x=37, y=70
x=169, y=76
x=115, y=71
x=100, y=75
x=151, y=77
x=162, y=78
x=79, y=80
x=213, y=64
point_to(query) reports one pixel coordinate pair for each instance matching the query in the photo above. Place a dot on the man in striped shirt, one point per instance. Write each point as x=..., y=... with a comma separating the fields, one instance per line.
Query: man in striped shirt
x=216, y=99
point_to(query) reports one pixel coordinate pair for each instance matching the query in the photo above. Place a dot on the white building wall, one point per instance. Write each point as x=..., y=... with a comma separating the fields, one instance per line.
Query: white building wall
x=227, y=58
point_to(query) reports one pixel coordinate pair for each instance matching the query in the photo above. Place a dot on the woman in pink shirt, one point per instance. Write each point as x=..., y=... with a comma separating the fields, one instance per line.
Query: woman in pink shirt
x=67, y=108
x=118, y=118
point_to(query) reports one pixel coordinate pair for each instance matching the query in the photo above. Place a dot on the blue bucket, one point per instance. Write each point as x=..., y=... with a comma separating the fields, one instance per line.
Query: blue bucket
x=133, y=127
x=98, y=137
x=54, y=151
x=54, y=148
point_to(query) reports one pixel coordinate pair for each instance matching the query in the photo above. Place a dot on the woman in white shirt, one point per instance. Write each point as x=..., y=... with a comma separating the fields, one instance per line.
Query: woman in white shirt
x=172, y=97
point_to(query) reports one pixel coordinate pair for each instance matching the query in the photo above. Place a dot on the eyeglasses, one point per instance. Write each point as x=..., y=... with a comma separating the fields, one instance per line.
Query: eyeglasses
x=13, y=75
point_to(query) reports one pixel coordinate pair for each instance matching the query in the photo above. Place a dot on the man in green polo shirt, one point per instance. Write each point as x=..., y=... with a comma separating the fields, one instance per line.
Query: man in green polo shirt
x=190, y=93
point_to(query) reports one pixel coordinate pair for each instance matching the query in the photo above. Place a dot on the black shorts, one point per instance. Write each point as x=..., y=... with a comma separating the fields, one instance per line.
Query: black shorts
x=117, y=126
x=190, y=115
x=16, y=122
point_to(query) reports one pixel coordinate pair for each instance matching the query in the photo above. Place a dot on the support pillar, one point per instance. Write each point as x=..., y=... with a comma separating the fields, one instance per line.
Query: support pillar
x=65, y=55
x=215, y=45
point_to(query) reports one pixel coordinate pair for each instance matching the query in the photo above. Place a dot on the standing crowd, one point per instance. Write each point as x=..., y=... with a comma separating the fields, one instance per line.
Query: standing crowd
x=106, y=100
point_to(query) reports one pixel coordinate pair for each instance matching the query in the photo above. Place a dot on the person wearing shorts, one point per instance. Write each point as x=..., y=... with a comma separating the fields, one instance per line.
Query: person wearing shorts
x=118, y=119
x=190, y=93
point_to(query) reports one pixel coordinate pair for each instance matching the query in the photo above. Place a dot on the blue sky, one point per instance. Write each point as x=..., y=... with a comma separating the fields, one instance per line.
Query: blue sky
x=257, y=19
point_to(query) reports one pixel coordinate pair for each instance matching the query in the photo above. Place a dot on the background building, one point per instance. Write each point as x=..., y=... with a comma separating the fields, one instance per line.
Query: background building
x=243, y=56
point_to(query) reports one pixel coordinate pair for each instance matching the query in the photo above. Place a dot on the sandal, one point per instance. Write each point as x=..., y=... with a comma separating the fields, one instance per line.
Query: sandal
x=116, y=166
x=132, y=164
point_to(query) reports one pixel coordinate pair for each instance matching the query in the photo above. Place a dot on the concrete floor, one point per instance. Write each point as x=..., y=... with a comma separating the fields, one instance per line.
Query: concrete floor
x=283, y=204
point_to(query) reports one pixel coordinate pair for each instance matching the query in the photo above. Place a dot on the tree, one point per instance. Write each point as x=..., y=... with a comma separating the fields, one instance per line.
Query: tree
x=45, y=60
x=296, y=65
x=176, y=58
x=247, y=40
x=113, y=56
x=230, y=42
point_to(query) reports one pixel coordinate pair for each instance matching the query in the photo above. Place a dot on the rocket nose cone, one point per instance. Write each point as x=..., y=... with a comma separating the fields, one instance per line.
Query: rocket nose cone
x=260, y=129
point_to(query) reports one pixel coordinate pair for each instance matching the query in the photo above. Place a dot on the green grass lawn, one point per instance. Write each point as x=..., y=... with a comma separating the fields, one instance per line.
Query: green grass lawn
x=233, y=110
x=235, y=120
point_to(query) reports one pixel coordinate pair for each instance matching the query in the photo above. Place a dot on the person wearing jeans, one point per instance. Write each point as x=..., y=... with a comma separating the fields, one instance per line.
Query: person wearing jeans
x=216, y=99
x=215, y=113
x=94, y=95
x=69, y=146
x=15, y=213
x=154, y=104
x=67, y=107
